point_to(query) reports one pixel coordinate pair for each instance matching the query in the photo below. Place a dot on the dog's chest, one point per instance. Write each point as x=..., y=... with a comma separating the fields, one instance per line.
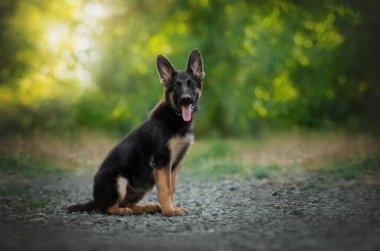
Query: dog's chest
x=178, y=146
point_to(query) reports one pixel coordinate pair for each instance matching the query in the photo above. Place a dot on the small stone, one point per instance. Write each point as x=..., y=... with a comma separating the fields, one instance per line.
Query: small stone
x=188, y=227
x=140, y=228
x=38, y=220
x=315, y=200
x=171, y=228
x=275, y=193
x=277, y=206
x=295, y=212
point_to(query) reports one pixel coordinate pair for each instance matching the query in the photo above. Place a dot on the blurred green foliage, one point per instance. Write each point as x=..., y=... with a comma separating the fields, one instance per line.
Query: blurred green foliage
x=67, y=65
x=217, y=159
x=353, y=168
x=25, y=166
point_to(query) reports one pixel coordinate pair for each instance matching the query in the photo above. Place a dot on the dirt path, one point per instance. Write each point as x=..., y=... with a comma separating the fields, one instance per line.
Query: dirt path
x=227, y=215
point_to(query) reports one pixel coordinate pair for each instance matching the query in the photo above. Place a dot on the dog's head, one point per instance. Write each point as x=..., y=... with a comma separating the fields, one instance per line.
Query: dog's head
x=182, y=88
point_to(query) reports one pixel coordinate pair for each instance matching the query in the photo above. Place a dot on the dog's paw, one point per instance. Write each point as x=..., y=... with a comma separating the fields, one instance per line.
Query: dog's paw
x=119, y=211
x=125, y=211
x=175, y=212
x=154, y=209
x=183, y=210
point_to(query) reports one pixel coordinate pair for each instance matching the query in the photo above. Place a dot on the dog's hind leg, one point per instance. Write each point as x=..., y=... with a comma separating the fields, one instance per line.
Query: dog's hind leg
x=133, y=197
x=121, y=187
x=116, y=210
x=149, y=209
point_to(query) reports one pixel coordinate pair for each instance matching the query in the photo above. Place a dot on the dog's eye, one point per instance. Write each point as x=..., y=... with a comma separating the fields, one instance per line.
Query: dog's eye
x=190, y=83
x=177, y=84
x=193, y=83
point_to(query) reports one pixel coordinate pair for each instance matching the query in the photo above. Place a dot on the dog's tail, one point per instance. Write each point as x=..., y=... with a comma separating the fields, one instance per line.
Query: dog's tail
x=86, y=207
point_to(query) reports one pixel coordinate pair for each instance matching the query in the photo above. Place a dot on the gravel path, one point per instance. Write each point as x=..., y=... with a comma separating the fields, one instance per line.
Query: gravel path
x=225, y=215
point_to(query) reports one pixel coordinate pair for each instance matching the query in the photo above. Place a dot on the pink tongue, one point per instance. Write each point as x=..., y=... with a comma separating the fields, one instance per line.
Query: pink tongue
x=186, y=112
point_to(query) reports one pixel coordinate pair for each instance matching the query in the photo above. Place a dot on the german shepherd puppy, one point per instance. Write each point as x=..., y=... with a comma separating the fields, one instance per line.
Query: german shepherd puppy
x=152, y=154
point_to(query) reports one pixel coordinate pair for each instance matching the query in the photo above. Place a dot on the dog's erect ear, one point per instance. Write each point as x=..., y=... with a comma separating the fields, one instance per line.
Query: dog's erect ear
x=195, y=64
x=165, y=69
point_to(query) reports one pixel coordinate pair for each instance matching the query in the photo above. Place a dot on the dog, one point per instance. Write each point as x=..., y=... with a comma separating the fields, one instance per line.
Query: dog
x=153, y=153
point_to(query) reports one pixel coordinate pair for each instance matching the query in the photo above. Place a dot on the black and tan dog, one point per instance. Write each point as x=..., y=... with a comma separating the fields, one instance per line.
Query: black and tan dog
x=152, y=153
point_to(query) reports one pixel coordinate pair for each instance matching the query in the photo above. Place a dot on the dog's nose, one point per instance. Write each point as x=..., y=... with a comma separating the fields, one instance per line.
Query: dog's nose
x=186, y=99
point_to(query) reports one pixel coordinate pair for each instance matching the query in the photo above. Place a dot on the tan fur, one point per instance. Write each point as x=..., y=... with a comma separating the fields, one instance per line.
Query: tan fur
x=177, y=144
x=173, y=180
x=166, y=177
x=164, y=193
x=199, y=93
x=149, y=209
x=122, y=184
x=163, y=189
x=116, y=210
x=197, y=70
x=171, y=99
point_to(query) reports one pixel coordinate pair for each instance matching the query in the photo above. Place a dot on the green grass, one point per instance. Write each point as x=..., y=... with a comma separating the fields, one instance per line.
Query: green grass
x=353, y=168
x=24, y=166
x=209, y=161
x=212, y=150
x=262, y=172
x=217, y=159
x=33, y=203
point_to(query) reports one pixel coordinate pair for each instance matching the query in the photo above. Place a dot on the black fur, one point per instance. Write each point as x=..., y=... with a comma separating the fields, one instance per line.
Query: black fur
x=87, y=207
x=146, y=147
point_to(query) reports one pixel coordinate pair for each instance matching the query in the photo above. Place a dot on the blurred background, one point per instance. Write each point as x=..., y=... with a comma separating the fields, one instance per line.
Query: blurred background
x=74, y=70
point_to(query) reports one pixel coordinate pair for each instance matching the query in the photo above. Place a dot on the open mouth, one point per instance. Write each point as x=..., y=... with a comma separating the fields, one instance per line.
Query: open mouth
x=187, y=109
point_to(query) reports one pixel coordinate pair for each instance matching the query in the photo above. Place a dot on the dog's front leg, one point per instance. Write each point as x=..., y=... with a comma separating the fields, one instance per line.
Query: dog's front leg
x=164, y=192
x=174, y=186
